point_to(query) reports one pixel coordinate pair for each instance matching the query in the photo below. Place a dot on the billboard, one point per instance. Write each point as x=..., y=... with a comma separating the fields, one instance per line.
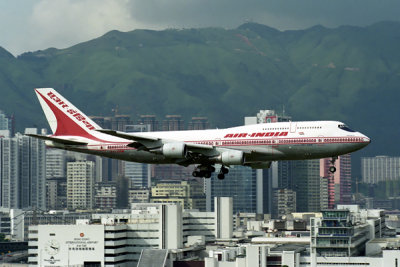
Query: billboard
x=64, y=245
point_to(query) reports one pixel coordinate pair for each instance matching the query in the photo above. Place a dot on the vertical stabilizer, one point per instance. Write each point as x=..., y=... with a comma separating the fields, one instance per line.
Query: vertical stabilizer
x=63, y=117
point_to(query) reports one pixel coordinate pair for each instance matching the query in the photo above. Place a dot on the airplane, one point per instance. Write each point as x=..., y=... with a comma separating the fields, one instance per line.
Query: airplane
x=255, y=145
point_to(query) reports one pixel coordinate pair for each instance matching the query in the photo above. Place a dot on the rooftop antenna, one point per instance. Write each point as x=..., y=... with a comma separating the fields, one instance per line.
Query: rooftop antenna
x=115, y=110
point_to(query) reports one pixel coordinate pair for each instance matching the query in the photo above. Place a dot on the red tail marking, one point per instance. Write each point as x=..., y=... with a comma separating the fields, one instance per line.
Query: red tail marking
x=65, y=125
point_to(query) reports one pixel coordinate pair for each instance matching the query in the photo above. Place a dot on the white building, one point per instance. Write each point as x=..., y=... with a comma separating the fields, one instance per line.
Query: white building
x=291, y=255
x=22, y=171
x=124, y=236
x=66, y=245
x=139, y=195
x=223, y=208
x=55, y=163
x=117, y=241
x=105, y=196
x=9, y=173
x=80, y=185
x=380, y=168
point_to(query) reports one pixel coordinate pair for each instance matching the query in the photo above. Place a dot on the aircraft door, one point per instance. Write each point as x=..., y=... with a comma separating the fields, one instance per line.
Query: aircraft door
x=293, y=127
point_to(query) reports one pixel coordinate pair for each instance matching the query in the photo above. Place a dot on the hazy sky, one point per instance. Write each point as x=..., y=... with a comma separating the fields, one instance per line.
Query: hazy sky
x=30, y=25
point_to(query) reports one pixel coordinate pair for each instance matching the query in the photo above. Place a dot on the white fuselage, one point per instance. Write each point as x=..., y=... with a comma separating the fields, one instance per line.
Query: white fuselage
x=260, y=142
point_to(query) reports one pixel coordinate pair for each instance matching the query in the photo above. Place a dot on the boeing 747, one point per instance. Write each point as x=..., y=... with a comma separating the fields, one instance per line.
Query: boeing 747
x=255, y=145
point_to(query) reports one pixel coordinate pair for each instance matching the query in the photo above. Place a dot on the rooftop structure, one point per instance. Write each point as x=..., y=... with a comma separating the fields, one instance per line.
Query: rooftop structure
x=380, y=168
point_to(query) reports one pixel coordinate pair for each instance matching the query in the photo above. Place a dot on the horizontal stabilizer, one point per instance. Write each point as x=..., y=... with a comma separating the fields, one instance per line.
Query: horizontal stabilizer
x=58, y=140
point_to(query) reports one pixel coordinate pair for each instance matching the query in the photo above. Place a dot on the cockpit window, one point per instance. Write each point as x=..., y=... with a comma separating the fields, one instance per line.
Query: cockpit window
x=344, y=127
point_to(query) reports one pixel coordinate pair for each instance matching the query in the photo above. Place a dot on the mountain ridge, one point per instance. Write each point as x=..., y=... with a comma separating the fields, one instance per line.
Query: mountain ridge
x=344, y=73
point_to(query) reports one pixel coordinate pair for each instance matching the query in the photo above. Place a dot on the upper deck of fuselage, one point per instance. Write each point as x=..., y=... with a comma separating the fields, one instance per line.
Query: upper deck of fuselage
x=264, y=130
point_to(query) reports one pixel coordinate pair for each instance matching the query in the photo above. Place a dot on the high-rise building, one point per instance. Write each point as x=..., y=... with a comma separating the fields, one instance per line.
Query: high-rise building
x=280, y=173
x=138, y=174
x=105, y=195
x=55, y=163
x=56, y=193
x=9, y=173
x=22, y=171
x=33, y=172
x=284, y=202
x=379, y=169
x=240, y=185
x=223, y=209
x=341, y=188
x=335, y=235
x=333, y=196
x=112, y=169
x=139, y=195
x=4, y=121
x=6, y=124
x=103, y=122
x=80, y=185
x=189, y=194
x=173, y=123
x=324, y=193
x=170, y=172
x=307, y=185
x=118, y=122
x=149, y=120
x=198, y=123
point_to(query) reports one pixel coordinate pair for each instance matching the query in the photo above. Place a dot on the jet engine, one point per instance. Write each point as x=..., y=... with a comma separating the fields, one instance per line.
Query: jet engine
x=174, y=150
x=232, y=157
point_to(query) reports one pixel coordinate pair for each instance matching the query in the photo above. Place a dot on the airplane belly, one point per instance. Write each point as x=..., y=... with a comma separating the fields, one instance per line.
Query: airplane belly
x=146, y=157
x=129, y=155
x=314, y=151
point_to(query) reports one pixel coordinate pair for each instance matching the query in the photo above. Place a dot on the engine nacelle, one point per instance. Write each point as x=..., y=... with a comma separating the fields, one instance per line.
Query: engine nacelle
x=174, y=150
x=232, y=157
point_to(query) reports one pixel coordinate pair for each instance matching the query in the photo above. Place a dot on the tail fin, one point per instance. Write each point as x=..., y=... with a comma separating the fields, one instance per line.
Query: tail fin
x=63, y=117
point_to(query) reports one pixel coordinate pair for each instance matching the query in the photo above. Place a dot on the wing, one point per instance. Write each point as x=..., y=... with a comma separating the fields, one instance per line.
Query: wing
x=186, y=153
x=195, y=152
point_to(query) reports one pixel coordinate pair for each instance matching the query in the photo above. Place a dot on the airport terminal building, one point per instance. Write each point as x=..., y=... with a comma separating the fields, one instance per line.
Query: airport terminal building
x=117, y=239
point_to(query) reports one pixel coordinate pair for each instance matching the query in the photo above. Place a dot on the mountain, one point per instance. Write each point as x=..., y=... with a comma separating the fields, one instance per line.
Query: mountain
x=348, y=73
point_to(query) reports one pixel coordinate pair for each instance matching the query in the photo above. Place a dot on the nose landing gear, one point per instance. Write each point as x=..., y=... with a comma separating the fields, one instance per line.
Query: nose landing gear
x=224, y=170
x=332, y=169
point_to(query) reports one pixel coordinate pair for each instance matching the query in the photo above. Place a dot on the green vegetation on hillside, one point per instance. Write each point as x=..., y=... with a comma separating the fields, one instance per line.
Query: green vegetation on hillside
x=347, y=73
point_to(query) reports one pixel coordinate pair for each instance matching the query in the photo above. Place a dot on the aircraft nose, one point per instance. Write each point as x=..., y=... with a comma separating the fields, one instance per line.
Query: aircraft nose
x=366, y=140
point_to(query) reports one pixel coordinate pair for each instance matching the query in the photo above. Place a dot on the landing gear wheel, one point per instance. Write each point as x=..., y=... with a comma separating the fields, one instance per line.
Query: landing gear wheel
x=332, y=169
x=203, y=171
x=224, y=170
x=221, y=176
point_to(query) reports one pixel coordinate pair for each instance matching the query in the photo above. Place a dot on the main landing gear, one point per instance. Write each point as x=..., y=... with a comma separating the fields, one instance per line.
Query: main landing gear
x=332, y=169
x=203, y=171
x=206, y=171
